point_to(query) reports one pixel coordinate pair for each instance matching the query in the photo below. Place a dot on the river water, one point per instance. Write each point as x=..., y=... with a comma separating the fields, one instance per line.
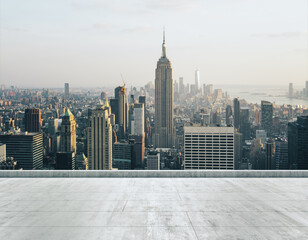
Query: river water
x=255, y=94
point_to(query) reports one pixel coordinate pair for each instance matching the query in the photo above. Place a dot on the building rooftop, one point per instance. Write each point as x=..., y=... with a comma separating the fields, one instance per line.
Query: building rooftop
x=67, y=113
x=20, y=133
x=209, y=129
x=101, y=207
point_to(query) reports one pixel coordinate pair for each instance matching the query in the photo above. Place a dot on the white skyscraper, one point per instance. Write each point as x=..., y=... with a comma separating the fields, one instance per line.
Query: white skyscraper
x=197, y=80
x=100, y=139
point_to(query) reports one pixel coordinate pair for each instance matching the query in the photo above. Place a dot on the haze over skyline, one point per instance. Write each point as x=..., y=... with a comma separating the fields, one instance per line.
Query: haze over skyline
x=91, y=43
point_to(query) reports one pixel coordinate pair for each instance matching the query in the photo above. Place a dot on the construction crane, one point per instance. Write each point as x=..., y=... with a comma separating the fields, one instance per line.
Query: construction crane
x=123, y=88
x=123, y=80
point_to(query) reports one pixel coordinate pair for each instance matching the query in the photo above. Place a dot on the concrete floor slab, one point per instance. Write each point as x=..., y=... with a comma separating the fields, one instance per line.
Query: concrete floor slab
x=153, y=208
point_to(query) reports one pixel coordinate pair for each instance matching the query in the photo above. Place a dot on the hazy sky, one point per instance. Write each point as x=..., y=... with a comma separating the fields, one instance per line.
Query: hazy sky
x=90, y=43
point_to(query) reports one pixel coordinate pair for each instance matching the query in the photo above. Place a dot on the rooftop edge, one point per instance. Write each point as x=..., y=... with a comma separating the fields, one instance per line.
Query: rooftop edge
x=154, y=174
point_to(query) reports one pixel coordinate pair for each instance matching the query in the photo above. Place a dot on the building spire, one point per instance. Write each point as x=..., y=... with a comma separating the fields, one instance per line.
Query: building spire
x=164, y=35
x=164, y=45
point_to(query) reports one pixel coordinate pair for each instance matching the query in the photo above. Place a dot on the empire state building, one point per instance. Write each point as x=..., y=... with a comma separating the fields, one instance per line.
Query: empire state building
x=163, y=101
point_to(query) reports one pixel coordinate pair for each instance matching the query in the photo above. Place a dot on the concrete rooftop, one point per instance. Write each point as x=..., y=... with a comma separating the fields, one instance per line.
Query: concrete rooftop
x=153, y=208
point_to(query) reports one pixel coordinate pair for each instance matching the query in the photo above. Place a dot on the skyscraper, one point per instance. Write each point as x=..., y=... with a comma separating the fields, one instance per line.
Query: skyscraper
x=142, y=99
x=33, y=120
x=181, y=85
x=66, y=91
x=245, y=123
x=120, y=109
x=291, y=91
x=236, y=104
x=26, y=149
x=197, y=80
x=100, y=139
x=138, y=119
x=281, y=154
x=228, y=115
x=267, y=116
x=298, y=143
x=163, y=101
x=68, y=132
x=270, y=154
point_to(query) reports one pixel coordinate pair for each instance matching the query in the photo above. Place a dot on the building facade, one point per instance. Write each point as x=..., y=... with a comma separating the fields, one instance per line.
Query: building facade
x=66, y=91
x=122, y=155
x=267, y=116
x=298, y=143
x=236, y=106
x=33, y=121
x=138, y=119
x=100, y=139
x=208, y=148
x=281, y=155
x=153, y=160
x=2, y=152
x=68, y=132
x=25, y=148
x=65, y=161
x=229, y=115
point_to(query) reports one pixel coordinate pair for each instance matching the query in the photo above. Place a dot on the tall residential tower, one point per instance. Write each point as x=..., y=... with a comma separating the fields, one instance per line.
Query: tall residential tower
x=100, y=139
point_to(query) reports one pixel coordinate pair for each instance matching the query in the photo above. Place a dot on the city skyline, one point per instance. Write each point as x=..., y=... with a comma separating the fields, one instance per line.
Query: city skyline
x=142, y=143
x=81, y=42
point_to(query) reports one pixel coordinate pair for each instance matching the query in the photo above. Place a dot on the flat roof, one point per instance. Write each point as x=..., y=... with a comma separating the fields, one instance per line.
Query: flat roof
x=153, y=208
x=208, y=129
x=19, y=133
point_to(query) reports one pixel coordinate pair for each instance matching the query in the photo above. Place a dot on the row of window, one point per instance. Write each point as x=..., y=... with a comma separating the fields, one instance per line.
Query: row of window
x=209, y=135
x=208, y=146
x=187, y=151
x=210, y=168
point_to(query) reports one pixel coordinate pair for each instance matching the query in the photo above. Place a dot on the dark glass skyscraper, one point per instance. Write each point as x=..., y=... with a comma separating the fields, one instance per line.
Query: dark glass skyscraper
x=33, y=120
x=26, y=149
x=244, y=123
x=119, y=108
x=236, y=104
x=298, y=143
x=267, y=116
x=228, y=115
